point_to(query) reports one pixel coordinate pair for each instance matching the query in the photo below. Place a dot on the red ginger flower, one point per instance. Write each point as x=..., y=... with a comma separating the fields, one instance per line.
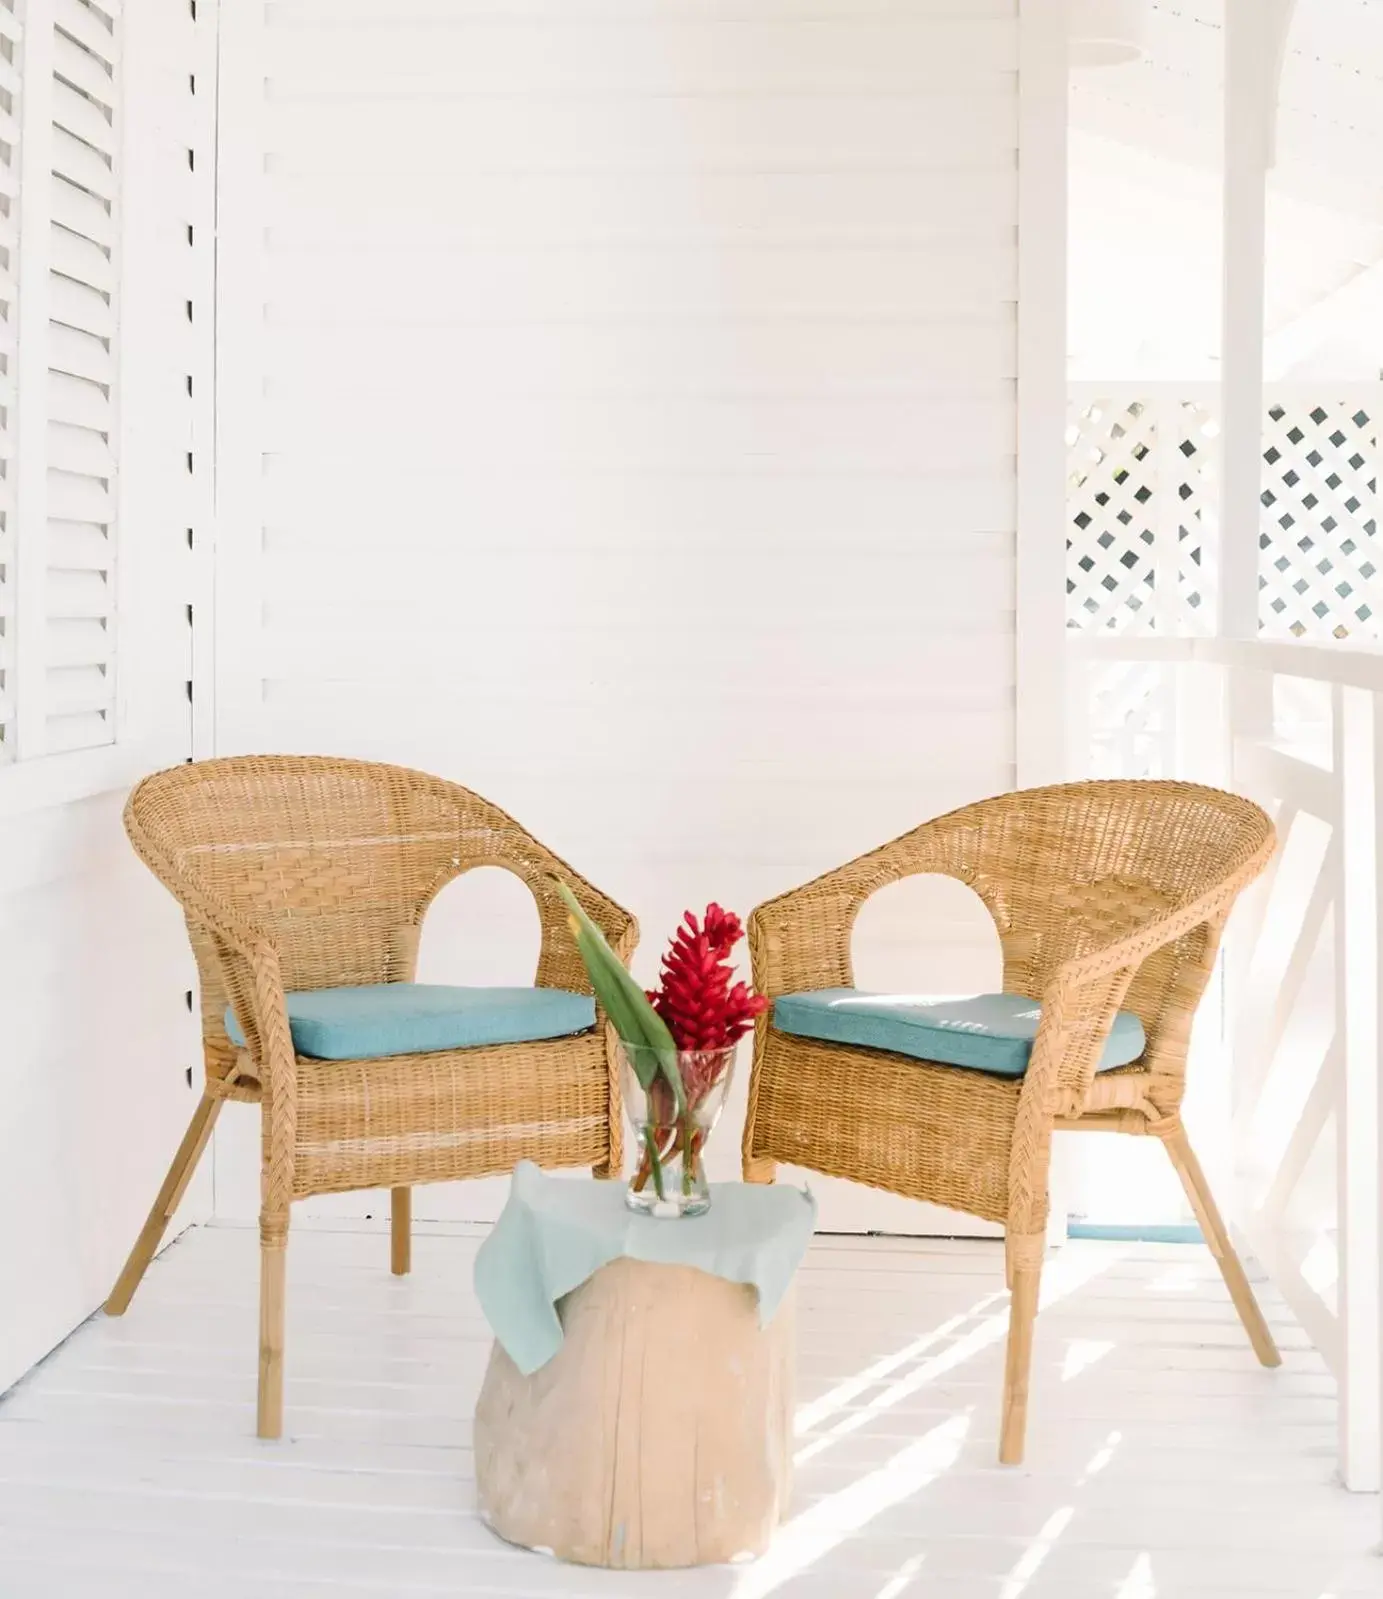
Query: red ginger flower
x=696, y=1000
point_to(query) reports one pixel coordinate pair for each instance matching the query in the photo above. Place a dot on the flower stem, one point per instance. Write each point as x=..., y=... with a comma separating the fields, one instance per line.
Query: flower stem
x=688, y=1154
x=654, y=1161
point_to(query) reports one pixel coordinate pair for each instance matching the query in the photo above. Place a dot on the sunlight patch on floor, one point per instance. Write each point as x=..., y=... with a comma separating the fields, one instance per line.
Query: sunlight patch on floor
x=901, y=1580
x=1029, y=1563
x=1139, y=1583
x=811, y=1415
x=1061, y=1277
x=801, y=1542
x=1081, y=1354
x=1103, y=1455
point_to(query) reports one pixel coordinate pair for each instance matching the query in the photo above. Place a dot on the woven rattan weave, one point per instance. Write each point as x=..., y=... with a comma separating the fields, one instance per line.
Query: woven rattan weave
x=1106, y=896
x=302, y=872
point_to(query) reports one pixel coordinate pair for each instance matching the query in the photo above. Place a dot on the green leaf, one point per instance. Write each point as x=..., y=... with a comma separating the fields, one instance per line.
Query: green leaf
x=623, y=1001
x=609, y=975
x=623, y=1017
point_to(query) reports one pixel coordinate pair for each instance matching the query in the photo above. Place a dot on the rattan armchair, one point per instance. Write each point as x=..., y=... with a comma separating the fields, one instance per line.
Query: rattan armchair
x=1107, y=896
x=301, y=872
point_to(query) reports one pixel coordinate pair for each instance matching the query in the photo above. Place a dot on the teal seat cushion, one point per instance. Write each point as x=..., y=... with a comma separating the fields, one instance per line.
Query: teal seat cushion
x=987, y=1032
x=418, y=1018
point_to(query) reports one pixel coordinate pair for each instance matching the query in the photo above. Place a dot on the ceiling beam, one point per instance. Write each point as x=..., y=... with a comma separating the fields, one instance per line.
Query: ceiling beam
x=1277, y=21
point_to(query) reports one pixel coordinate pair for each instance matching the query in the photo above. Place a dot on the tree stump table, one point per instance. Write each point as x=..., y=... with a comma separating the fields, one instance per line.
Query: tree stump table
x=637, y=1411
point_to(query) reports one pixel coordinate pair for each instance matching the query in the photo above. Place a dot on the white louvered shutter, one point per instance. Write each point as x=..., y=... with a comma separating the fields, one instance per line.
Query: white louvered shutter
x=79, y=612
x=63, y=467
x=9, y=264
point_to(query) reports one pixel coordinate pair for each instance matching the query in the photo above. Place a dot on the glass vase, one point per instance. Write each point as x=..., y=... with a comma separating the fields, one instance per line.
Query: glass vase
x=671, y=1129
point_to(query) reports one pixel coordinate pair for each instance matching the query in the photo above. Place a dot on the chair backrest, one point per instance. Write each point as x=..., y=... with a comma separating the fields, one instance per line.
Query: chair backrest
x=337, y=860
x=1066, y=869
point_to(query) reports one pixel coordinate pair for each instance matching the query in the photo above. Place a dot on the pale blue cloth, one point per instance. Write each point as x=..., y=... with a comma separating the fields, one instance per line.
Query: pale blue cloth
x=554, y=1233
x=374, y=1019
x=986, y=1032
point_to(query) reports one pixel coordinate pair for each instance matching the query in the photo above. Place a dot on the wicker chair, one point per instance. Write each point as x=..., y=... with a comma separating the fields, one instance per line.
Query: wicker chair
x=1107, y=896
x=299, y=872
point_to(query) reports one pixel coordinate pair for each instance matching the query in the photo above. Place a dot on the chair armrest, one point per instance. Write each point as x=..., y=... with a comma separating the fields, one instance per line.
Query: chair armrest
x=251, y=977
x=1079, y=1005
x=800, y=940
x=246, y=955
x=1130, y=950
x=1082, y=999
x=491, y=837
x=559, y=961
x=230, y=929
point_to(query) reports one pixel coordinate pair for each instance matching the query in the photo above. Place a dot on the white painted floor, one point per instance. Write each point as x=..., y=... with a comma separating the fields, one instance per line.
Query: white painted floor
x=1163, y=1463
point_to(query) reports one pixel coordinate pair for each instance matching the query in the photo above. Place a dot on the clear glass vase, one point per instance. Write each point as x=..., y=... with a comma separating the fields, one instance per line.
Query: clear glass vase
x=671, y=1130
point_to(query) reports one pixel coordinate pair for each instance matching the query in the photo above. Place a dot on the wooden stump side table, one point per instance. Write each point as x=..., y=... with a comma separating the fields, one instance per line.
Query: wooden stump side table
x=651, y=1425
x=659, y=1435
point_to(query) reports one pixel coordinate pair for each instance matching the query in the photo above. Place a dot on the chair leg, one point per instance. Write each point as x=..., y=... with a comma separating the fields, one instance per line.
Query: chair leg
x=1024, y=1267
x=1183, y=1157
x=273, y=1258
x=760, y=1170
x=400, y=1231
x=174, y=1187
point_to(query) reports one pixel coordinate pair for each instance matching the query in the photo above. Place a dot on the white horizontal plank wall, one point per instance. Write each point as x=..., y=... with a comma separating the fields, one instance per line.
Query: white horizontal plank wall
x=617, y=415
x=99, y=1044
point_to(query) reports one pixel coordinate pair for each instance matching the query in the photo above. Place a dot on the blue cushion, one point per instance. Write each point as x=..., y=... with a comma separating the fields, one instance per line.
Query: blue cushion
x=989, y=1032
x=416, y=1018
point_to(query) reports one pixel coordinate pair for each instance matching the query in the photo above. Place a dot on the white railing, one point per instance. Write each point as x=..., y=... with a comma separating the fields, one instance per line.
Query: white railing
x=1299, y=727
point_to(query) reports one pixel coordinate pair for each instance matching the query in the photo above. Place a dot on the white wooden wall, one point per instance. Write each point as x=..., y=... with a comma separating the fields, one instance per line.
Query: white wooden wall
x=617, y=415
x=97, y=1039
x=96, y=1044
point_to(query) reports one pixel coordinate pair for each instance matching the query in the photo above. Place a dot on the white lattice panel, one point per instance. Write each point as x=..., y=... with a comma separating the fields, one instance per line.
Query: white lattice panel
x=1193, y=486
x=1140, y=502
x=1318, y=558
x=1109, y=565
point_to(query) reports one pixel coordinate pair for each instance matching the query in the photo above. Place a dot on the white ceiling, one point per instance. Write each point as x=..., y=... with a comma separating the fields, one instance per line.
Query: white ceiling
x=1145, y=200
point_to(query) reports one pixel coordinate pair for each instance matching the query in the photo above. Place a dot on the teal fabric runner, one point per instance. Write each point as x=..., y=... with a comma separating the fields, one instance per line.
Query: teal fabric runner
x=554, y=1233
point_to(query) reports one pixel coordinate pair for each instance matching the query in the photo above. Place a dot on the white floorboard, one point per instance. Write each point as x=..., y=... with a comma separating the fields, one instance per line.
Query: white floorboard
x=1163, y=1463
